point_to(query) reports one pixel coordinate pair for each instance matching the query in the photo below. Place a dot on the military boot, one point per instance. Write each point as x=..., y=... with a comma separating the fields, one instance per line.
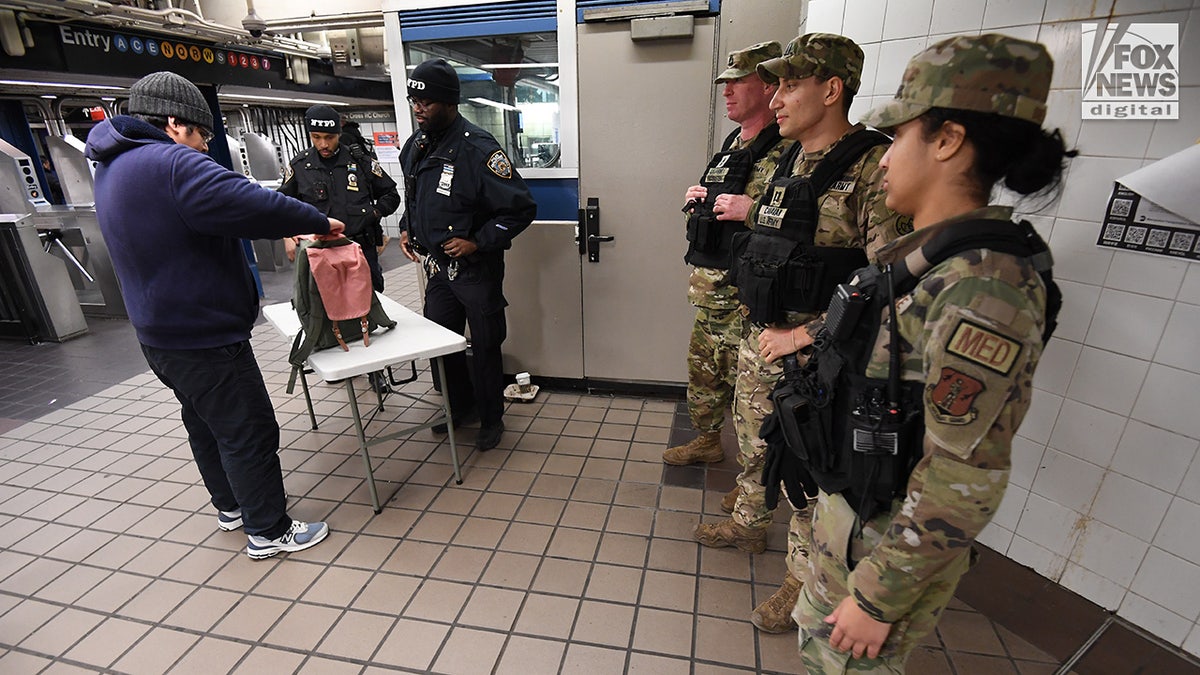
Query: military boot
x=704, y=448
x=774, y=615
x=729, y=501
x=729, y=533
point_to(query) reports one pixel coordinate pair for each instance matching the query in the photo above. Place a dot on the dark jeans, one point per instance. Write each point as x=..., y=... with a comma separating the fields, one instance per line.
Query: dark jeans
x=477, y=301
x=372, y=255
x=232, y=430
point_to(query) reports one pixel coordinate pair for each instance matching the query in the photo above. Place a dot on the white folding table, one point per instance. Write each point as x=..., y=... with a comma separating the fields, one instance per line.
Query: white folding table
x=414, y=337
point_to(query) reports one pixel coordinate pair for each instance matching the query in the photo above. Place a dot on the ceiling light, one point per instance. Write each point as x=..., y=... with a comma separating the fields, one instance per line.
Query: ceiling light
x=252, y=97
x=494, y=104
x=60, y=85
x=518, y=65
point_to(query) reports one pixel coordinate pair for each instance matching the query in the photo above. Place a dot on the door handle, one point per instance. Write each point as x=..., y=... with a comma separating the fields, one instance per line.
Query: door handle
x=590, y=242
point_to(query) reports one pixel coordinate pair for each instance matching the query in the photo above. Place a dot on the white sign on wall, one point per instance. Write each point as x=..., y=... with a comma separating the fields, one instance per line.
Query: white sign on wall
x=1131, y=71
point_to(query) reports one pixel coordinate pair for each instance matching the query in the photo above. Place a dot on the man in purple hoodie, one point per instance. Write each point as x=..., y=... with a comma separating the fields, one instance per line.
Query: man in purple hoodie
x=173, y=219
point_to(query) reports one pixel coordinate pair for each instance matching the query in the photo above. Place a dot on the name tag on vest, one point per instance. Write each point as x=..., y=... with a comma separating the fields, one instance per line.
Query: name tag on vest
x=716, y=174
x=843, y=185
x=771, y=216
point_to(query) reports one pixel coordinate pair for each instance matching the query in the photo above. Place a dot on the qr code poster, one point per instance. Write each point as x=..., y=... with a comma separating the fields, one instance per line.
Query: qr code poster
x=1134, y=223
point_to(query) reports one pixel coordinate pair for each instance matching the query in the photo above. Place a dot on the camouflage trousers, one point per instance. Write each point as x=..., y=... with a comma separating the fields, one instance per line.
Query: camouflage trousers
x=826, y=583
x=752, y=404
x=712, y=361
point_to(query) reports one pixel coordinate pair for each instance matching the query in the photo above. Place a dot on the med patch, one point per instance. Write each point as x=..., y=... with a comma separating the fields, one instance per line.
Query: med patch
x=498, y=164
x=984, y=346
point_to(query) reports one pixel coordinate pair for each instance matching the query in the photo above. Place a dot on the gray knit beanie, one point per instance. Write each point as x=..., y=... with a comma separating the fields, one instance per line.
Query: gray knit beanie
x=166, y=94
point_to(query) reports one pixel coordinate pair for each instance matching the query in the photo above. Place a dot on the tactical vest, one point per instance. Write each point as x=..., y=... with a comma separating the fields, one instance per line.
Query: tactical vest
x=777, y=267
x=728, y=172
x=836, y=429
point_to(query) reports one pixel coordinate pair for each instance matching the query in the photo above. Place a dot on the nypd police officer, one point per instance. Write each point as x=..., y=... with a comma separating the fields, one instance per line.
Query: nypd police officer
x=352, y=189
x=464, y=204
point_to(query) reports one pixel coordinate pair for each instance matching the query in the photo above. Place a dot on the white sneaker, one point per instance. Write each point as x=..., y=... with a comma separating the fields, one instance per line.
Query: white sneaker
x=298, y=537
x=228, y=521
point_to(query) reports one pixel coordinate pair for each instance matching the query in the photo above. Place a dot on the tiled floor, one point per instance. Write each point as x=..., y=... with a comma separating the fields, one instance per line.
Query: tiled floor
x=564, y=550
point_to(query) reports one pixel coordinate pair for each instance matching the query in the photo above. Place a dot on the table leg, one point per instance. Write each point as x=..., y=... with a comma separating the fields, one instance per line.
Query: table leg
x=441, y=369
x=308, y=399
x=362, y=444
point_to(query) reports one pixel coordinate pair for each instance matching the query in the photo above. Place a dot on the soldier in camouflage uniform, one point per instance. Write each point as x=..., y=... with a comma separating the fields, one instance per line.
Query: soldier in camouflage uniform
x=967, y=114
x=719, y=326
x=818, y=74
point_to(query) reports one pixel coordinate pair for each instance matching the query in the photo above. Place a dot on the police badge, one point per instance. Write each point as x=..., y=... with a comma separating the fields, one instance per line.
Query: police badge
x=498, y=164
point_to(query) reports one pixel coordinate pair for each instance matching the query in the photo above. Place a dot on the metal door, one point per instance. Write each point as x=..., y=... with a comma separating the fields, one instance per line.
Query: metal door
x=644, y=117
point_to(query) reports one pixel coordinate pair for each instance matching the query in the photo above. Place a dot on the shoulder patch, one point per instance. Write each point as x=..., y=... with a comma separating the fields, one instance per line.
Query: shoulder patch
x=376, y=169
x=984, y=346
x=287, y=172
x=952, y=398
x=498, y=164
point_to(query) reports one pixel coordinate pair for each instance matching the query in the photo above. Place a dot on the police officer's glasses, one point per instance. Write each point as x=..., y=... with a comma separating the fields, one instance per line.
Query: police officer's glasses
x=420, y=104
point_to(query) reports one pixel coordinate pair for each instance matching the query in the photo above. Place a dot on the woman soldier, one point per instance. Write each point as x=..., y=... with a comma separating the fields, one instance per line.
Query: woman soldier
x=938, y=368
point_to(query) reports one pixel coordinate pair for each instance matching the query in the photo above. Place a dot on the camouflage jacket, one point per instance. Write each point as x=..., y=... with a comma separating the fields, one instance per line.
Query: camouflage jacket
x=971, y=331
x=710, y=287
x=853, y=212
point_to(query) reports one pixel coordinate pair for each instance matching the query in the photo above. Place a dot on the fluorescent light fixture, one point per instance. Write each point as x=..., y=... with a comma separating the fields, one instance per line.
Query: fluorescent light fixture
x=60, y=85
x=49, y=96
x=252, y=97
x=518, y=65
x=494, y=104
x=108, y=98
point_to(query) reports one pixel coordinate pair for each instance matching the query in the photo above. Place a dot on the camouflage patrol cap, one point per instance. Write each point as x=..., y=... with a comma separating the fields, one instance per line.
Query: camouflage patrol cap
x=744, y=61
x=822, y=54
x=987, y=73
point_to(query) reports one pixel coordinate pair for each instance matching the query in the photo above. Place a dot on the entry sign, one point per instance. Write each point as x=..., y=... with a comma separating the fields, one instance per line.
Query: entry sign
x=1131, y=71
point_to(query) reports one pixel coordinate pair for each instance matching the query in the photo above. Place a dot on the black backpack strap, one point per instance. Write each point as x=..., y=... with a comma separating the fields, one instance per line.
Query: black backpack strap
x=786, y=161
x=843, y=156
x=1002, y=236
x=728, y=142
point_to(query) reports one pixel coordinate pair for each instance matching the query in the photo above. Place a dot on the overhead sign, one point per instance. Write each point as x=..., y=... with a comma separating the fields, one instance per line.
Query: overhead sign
x=88, y=49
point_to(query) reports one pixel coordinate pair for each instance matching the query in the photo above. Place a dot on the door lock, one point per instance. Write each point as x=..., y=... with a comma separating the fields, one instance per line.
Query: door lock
x=590, y=242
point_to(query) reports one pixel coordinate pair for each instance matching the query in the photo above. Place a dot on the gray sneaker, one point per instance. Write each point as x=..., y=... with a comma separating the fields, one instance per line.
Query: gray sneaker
x=298, y=537
x=229, y=521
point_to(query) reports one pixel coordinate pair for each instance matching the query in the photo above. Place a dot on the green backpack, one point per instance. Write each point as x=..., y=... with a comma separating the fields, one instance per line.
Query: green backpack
x=333, y=298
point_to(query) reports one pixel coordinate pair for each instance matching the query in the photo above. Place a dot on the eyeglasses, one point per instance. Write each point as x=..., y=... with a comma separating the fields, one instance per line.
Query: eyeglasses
x=420, y=104
x=206, y=134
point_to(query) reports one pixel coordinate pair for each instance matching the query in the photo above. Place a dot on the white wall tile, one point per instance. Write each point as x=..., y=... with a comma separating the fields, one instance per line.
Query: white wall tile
x=824, y=16
x=893, y=57
x=1178, y=533
x=1168, y=400
x=957, y=16
x=1026, y=461
x=1171, y=136
x=1037, y=557
x=1063, y=41
x=1169, y=581
x=1156, y=457
x=1107, y=380
x=1115, y=138
x=1056, y=366
x=1009, y=513
x=867, y=87
x=1128, y=323
x=1090, y=184
x=1039, y=421
x=1076, y=255
x=907, y=19
x=1130, y=506
x=1093, y=586
x=995, y=537
x=1144, y=273
x=1069, y=10
x=1089, y=433
x=863, y=20
x=1192, y=644
x=1190, y=487
x=1067, y=480
x=1063, y=113
x=1180, y=339
x=1049, y=525
x=1122, y=7
x=1190, y=77
x=1152, y=617
x=1079, y=304
x=1002, y=13
x=1189, y=292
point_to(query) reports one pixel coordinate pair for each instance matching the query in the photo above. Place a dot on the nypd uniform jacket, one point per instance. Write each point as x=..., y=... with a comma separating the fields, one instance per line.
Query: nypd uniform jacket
x=357, y=193
x=461, y=184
